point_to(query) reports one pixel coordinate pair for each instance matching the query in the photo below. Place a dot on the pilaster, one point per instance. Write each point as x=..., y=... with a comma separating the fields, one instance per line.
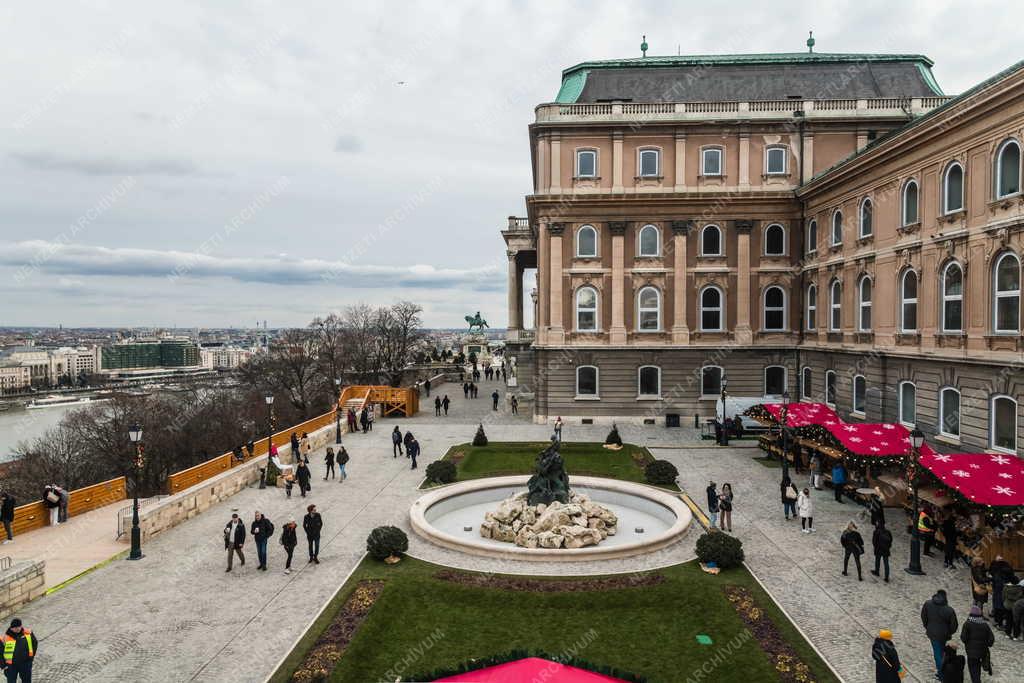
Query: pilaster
x=680, y=177
x=744, y=334
x=617, y=332
x=680, y=232
x=617, y=161
x=557, y=331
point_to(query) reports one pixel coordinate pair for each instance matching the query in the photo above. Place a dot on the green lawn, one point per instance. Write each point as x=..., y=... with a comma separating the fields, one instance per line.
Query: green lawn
x=650, y=631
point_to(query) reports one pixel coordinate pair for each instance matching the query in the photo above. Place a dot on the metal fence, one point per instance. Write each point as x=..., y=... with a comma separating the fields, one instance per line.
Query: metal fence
x=124, y=515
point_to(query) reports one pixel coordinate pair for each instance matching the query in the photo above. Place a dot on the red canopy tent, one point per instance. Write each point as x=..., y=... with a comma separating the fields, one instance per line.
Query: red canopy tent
x=801, y=414
x=983, y=478
x=531, y=669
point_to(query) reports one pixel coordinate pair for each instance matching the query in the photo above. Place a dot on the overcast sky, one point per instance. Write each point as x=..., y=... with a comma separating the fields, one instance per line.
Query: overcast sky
x=218, y=163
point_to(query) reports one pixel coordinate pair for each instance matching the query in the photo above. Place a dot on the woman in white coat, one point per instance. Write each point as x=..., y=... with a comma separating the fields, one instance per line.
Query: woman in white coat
x=805, y=508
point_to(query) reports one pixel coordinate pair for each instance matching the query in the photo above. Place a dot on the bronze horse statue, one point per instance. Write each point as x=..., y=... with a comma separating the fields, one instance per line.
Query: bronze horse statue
x=476, y=321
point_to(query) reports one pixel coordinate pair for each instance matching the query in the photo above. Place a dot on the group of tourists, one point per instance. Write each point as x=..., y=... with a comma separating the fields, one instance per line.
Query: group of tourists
x=441, y=404
x=719, y=504
x=262, y=530
x=361, y=422
x=412, y=446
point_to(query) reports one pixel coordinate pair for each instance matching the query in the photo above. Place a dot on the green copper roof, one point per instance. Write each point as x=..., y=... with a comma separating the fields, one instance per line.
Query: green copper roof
x=757, y=58
x=572, y=86
x=929, y=78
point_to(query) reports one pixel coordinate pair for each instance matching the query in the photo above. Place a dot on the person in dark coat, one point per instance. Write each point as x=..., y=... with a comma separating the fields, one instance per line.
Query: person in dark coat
x=940, y=624
x=887, y=660
x=313, y=524
x=952, y=665
x=343, y=459
x=977, y=638
x=7, y=505
x=853, y=546
x=413, y=450
x=445, y=402
x=23, y=649
x=262, y=529
x=396, y=442
x=881, y=544
x=426, y=385
x=437, y=406
x=352, y=426
x=1000, y=572
x=877, y=508
x=494, y=399
x=289, y=540
x=408, y=440
x=364, y=419
x=980, y=583
x=234, y=539
x=329, y=462
x=950, y=534
x=789, y=494
x=51, y=498
x=302, y=473
x=1012, y=594
x=294, y=439
x=465, y=389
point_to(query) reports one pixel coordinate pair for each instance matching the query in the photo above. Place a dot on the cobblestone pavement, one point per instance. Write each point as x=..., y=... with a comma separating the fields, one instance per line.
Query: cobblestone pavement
x=177, y=615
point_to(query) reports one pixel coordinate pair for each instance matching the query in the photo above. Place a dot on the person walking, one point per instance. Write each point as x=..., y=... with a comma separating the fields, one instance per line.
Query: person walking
x=712, y=503
x=977, y=638
x=838, y=480
x=1012, y=594
x=234, y=539
x=725, y=507
x=853, y=546
x=1000, y=572
x=437, y=406
x=302, y=474
x=20, y=648
x=413, y=450
x=877, y=508
x=262, y=530
x=426, y=385
x=514, y=403
x=408, y=439
x=52, y=501
x=881, y=545
x=289, y=540
x=445, y=402
x=364, y=419
x=494, y=399
x=940, y=625
x=7, y=505
x=789, y=493
x=952, y=665
x=950, y=534
x=805, y=508
x=558, y=428
x=396, y=442
x=369, y=418
x=887, y=660
x=465, y=389
x=329, y=462
x=342, y=461
x=312, y=524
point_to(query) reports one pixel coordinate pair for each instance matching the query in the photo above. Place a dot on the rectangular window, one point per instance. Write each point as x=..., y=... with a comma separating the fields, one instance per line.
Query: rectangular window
x=830, y=388
x=586, y=381
x=711, y=162
x=711, y=381
x=586, y=163
x=776, y=161
x=650, y=381
x=950, y=413
x=649, y=163
x=1004, y=424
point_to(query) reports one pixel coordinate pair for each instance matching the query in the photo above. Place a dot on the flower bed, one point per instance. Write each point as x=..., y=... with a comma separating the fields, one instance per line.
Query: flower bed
x=785, y=659
x=516, y=583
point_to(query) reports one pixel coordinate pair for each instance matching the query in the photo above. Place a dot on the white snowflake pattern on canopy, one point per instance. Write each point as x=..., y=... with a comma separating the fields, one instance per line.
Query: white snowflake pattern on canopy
x=1003, y=490
x=961, y=473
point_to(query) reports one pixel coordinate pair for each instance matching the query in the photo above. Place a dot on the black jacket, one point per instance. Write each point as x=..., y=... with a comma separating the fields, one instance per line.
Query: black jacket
x=239, y=539
x=939, y=619
x=21, y=646
x=261, y=529
x=302, y=473
x=887, y=661
x=289, y=539
x=396, y=436
x=329, y=458
x=852, y=541
x=47, y=501
x=712, y=499
x=881, y=541
x=312, y=523
x=7, y=509
x=977, y=637
x=952, y=666
x=782, y=492
x=877, y=510
x=343, y=457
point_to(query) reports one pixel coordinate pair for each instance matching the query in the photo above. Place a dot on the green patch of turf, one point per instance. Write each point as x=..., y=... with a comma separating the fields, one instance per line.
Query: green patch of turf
x=420, y=623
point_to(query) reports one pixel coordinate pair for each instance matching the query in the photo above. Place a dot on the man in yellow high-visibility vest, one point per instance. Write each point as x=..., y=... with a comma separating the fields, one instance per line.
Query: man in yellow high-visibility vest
x=19, y=649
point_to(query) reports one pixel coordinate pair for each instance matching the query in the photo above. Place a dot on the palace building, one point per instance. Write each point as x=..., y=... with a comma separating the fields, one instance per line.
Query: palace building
x=828, y=225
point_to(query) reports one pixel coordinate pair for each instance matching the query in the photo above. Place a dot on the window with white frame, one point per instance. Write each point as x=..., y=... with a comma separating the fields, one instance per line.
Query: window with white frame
x=774, y=380
x=1007, y=294
x=586, y=309
x=864, y=304
x=949, y=412
x=908, y=404
x=711, y=309
x=837, y=228
x=860, y=393
x=649, y=381
x=953, y=188
x=774, y=240
x=866, y=214
x=711, y=161
x=648, y=309
x=952, y=298
x=812, y=237
x=775, y=160
x=1008, y=169
x=908, y=302
x=774, y=309
x=710, y=380
x=806, y=389
x=812, y=307
x=1004, y=424
x=586, y=163
x=586, y=381
x=649, y=242
x=830, y=387
x=650, y=163
x=835, y=304
x=711, y=241
x=586, y=242
x=910, y=193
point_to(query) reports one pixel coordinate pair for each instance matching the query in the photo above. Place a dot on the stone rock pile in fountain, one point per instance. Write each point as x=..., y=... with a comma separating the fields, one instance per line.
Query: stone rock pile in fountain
x=576, y=524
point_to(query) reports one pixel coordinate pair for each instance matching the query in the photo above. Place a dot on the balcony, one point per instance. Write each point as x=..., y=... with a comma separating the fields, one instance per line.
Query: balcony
x=516, y=224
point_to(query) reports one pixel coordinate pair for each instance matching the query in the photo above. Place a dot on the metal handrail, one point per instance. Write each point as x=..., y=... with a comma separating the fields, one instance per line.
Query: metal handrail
x=124, y=515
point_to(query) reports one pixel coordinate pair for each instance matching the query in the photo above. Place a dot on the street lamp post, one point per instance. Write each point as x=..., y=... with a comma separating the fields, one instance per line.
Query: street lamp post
x=916, y=441
x=269, y=398
x=135, y=436
x=725, y=430
x=337, y=412
x=785, y=435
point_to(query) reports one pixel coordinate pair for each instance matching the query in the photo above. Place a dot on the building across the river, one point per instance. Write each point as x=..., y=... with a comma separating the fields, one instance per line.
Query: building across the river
x=831, y=225
x=150, y=353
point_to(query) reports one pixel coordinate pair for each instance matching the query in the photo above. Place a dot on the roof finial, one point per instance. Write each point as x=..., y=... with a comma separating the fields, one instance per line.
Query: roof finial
x=810, y=41
x=643, y=47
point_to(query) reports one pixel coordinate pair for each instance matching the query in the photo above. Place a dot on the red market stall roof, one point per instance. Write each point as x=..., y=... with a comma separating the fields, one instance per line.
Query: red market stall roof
x=802, y=414
x=984, y=478
x=872, y=440
x=531, y=669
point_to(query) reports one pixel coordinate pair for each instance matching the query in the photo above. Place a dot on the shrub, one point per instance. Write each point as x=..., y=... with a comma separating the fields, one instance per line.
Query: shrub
x=613, y=436
x=441, y=472
x=385, y=541
x=661, y=473
x=272, y=473
x=480, y=439
x=721, y=548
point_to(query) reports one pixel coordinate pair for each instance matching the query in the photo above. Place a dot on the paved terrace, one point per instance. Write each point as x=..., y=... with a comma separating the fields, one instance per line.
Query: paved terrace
x=176, y=615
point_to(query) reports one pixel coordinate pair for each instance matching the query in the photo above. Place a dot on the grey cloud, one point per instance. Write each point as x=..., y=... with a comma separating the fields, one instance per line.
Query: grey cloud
x=43, y=161
x=348, y=144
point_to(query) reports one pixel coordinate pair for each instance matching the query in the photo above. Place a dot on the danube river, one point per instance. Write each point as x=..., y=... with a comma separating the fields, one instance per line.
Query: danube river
x=25, y=425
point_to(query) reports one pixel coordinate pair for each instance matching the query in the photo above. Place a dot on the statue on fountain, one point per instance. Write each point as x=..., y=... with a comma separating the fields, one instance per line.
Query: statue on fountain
x=550, y=482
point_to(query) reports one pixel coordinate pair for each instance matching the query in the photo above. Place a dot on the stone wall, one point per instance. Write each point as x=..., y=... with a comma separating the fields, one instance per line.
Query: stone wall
x=23, y=582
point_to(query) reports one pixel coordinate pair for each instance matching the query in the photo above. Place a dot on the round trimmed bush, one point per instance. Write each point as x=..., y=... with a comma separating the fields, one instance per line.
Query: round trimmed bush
x=661, y=473
x=385, y=541
x=441, y=472
x=613, y=437
x=723, y=549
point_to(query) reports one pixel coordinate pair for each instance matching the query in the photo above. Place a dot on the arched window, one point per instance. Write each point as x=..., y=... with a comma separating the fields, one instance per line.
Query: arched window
x=812, y=237
x=586, y=163
x=775, y=160
x=586, y=381
x=649, y=381
x=908, y=404
x=837, y=228
x=806, y=390
x=866, y=211
x=830, y=387
x=648, y=309
x=711, y=241
x=953, y=188
x=586, y=309
x=864, y=304
x=711, y=309
x=1008, y=169
x=835, y=304
x=1004, y=424
x=649, y=242
x=952, y=298
x=586, y=242
x=908, y=302
x=711, y=161
x=949, y=412
x=650, y=163
x=774, y=380
x=860, y=393
x=910, y=193
x=710, y=380
x=774, y=240
x=774, y=309
x=812, y=307
x=1007, y=294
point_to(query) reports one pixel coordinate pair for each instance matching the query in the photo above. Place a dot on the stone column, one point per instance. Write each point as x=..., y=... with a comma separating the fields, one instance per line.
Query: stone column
x=556, y=164
x=515, y=304
x=557, y=332
x=680, y=179
x=680, y=330
x=617, y=333
x=744, y=334
x=807, y=170
x=744, y=174
x=617, y=161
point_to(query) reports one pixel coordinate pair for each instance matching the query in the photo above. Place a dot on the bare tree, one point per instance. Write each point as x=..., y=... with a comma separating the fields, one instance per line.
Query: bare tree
x=398, y=332
x=361, y=336
x=333, y=351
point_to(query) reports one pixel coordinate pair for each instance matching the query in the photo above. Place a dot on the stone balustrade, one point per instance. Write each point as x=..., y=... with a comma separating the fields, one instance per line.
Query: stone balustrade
x=23, y=582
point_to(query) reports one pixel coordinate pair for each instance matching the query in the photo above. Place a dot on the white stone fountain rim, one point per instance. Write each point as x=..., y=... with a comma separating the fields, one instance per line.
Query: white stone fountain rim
x=417, y=515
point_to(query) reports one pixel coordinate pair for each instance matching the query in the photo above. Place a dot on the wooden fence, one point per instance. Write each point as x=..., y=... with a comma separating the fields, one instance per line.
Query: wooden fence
x=36, y=515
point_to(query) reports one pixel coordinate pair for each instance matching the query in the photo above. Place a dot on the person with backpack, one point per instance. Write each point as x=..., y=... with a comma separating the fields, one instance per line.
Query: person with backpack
x=289, y=540
x=494, y=399
x=342, y=461
x=262, y=530
x=881, y=544
x=940, y=625
x=789, y=494
x=853, y=546
x=329, y=462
